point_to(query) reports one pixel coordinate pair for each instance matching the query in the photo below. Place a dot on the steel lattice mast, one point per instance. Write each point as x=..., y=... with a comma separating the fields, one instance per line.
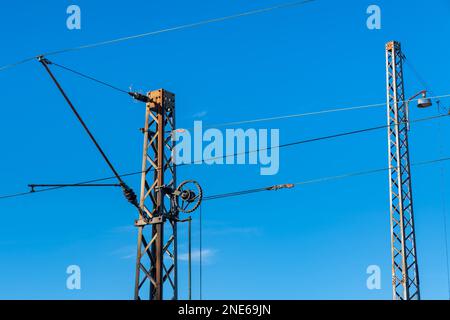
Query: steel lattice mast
x=405, y=274
x=156, y=263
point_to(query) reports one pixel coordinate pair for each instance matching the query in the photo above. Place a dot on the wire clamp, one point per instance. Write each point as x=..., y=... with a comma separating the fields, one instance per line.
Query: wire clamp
x=140, y=97
x=43, y=59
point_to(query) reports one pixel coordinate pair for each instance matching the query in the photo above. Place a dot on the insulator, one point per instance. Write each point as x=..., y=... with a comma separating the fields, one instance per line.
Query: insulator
x=129, y=195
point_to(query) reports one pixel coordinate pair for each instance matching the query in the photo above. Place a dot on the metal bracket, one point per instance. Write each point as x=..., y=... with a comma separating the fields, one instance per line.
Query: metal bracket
x=151, y=221
x=150, y=132
x=165, y=189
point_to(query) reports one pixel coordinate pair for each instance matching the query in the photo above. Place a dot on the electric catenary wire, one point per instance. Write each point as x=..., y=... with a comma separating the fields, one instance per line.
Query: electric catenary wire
x=241, y=153
x=314, y=113
x=314, y=181
x=270, y=188
x=328, y=137
x=444, y=203
x=161, y=31
x=135, y=95
x=88, y=77
x=426, y=86
x=15, y=64
x=416, y=74
x=143, y=98
x=226, y=124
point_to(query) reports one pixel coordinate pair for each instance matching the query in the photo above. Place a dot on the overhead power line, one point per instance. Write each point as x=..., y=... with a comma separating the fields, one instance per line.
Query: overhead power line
x=426, y=86
x=143, y=98
x=135, y=95
x=297, y=115
x=89, y=77
x=328, y=137
x=161, y=31
x=64, y=185
x=19, y=194
x=313, y=181
x=313, y=113
x=15, y=64
x=249, y=191
x=417, y=74
x=72, y=107
x=241, y=153
x=128, y=192
x=181, y=27
x=444, y=203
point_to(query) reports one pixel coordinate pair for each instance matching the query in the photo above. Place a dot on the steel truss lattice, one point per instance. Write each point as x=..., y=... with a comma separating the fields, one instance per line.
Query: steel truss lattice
x=156, y=263
x=405, y=274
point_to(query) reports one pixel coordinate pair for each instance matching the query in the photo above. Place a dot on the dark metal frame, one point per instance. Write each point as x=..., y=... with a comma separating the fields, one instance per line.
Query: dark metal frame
x=156, y=263
x=405, y=273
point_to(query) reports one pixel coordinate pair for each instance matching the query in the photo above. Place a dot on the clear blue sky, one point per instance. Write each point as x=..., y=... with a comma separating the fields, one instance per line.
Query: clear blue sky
x=314, y=242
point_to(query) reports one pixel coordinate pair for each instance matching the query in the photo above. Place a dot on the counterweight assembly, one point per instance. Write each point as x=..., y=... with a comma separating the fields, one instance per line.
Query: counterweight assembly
x=405, y=274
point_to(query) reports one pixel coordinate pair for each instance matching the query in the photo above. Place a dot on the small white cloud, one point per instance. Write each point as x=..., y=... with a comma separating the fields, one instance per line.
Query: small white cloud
x=235, y=230
x=129, y=256
x=126, y=252
x=207, y=254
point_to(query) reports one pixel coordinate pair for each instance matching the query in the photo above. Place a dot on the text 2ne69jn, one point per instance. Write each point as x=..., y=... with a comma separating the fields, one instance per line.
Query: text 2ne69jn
x=241, y=309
